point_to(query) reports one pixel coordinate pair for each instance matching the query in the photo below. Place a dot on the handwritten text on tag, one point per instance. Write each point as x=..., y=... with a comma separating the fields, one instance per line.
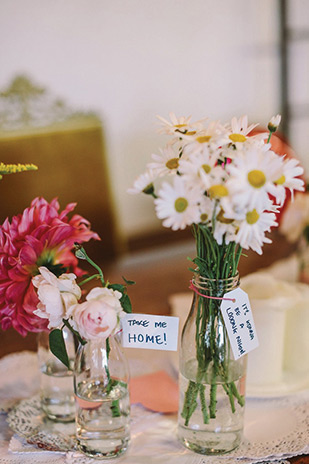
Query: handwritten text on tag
x=149, y=331
x=239, y=322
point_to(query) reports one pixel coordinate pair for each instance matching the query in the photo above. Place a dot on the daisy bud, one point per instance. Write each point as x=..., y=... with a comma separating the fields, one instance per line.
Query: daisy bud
x=149, y=189
x=274, y=123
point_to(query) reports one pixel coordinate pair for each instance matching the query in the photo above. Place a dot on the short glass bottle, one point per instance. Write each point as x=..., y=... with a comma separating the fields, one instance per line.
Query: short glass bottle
x=212, y=382
x=56, y=380
x=101, y=378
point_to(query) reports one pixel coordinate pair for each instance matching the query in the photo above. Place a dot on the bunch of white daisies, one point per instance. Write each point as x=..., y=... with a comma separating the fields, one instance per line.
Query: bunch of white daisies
x=220, y=177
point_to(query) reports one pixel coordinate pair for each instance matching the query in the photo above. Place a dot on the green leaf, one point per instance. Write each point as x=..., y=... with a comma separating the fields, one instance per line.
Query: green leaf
x=124, y=300
x=57, y=346
x=126, y=303
x=128, y=282
x=120, y=288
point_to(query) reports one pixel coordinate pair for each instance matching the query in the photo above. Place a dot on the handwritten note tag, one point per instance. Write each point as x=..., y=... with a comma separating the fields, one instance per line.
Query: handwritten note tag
x=149, y=331
x=239, y=322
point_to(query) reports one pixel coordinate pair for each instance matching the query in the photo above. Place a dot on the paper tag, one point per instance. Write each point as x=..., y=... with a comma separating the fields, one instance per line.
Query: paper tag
x=239, y=322
x=149, y=331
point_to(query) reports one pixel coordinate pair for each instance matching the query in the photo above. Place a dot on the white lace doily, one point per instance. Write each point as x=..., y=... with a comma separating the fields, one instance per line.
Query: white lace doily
x=275, y=429
x=27, y=420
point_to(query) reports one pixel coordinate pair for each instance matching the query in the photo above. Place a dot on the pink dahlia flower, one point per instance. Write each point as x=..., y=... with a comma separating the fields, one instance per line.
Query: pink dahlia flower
x=40, y=236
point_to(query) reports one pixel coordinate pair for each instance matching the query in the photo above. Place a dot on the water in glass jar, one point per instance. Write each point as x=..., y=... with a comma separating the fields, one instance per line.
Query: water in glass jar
x=102, y=419
x=57, y=394
x=222, y=433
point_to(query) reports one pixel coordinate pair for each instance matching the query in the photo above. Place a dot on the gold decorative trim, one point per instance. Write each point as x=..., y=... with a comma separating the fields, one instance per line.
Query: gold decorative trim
x=26, y=106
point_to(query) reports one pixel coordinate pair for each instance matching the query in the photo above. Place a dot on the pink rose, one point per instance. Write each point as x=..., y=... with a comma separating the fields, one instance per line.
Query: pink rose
x=99, y=316
x=56, y=296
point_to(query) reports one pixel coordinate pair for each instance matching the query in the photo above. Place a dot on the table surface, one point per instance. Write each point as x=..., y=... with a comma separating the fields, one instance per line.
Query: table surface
x=273, y=426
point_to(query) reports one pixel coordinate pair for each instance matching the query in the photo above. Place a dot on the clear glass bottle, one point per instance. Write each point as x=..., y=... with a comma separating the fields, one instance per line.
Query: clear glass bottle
x=101, y=378
x=56, y=381
x=212, y=382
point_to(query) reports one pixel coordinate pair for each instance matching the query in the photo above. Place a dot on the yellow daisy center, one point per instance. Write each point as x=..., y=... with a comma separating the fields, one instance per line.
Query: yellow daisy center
x=190, y=132
x=222, y=219
x=256, y=178
x=181, y=204
x=252, y=217
x=281, y=180
x=218, y=191
x=204, y=217
x=237, y=138
x=206, y=168
x=172, y=163
x=203, y=138
x=180, y=125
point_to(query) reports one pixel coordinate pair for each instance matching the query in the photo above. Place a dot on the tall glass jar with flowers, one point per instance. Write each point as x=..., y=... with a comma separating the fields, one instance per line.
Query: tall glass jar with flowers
x=228, y=186
x=101, y=374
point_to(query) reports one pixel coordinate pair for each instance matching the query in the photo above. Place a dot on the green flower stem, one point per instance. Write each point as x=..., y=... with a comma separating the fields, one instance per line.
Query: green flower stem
x=215, y=366
x=97, y=268
x=81, y=254
x=115, y=408
x=213, y=261
x=228, y=391
x=203, y=403
x=74, y=332
x=190, y=402
x=213, y=398
x=240, y=398
x=88, y=279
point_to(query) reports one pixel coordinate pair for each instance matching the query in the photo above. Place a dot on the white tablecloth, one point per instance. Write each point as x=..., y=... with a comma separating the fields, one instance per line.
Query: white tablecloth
x=275, y=428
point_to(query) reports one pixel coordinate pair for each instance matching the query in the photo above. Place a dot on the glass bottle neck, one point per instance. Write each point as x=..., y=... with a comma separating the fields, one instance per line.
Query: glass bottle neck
x=215, y=286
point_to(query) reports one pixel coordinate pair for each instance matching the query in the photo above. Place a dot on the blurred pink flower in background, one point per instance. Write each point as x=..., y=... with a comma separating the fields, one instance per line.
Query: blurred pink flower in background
x=40, y=236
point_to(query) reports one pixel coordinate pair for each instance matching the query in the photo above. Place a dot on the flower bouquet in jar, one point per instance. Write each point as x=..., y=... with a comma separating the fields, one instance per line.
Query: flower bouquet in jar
x=101, y=376
x=227, y=185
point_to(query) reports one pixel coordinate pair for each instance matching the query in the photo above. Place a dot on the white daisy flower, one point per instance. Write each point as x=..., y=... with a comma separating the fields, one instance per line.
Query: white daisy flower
x=206, y=208
x=287, y=179
x=197, y=168
x=165, y=164
x=224, y=228
x=217, y=188
x=179, y=125
x=177, y=204
x=213, y=134
x=144, y=183
x=251, y=231
x=251, y=179
x=239, y=129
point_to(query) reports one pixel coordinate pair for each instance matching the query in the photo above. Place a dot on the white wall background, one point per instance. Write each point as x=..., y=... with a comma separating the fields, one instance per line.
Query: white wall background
x=133, y=59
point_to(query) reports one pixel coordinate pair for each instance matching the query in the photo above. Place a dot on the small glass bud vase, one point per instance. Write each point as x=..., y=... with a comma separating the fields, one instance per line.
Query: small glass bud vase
x=101, y=378
x=56, y=381
x=212, y=382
